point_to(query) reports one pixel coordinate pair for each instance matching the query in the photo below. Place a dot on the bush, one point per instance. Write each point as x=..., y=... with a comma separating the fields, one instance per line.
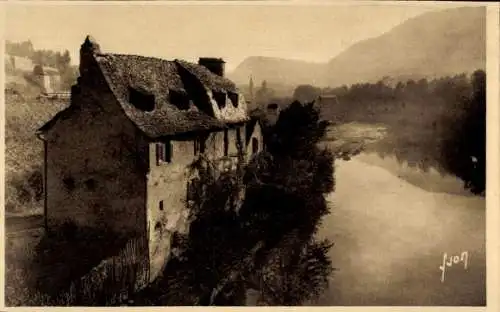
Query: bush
x=464, y=150
x=231, y=246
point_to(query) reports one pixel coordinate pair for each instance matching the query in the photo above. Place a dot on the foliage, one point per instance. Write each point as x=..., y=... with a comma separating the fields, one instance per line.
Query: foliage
x=70, y=267
x=306, y=93
x=292, y=281
x=22, y=49
x=285, y=202
x=49, y=58
x=229, y=247
x=264, y=94
x=465, y=149
x=24, y=151
x=434, y=123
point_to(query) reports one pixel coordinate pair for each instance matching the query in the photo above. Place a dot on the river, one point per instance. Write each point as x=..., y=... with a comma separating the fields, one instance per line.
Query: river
x=390, y=236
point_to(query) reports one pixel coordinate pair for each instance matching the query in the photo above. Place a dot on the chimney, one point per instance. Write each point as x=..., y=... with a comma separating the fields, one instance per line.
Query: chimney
x=88, y=50
x=215, y=65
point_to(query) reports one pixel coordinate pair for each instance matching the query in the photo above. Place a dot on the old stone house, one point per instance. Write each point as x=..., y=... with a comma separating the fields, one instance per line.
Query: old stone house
x=118, y=156
x=48, y=79
x=14, y=64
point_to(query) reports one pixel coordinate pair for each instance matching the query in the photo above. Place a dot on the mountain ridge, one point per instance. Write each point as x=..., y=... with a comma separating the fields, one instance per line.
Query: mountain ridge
x=433, y=44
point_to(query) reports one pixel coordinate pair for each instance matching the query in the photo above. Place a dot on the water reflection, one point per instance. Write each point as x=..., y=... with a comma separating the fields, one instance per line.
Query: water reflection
x=390, y=236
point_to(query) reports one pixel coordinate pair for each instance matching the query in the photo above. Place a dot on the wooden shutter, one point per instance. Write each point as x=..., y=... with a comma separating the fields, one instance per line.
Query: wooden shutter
x=168, y=151
x=160, y=153
x=226, y=143
x=255, y=145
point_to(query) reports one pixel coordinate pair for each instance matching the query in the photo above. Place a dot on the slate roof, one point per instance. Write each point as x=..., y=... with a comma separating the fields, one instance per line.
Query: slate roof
x=209, y=80
x=159, y=77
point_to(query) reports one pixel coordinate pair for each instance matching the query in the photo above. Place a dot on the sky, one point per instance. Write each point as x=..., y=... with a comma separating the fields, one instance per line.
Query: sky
x=314, y=33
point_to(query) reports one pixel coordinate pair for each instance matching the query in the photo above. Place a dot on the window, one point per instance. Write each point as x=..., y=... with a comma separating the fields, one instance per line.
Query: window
x=234, y=98
x=163, y=152
x=191, y=192
x=199, y=146
x=90, y=184
x=158, y=226
x=239, y=142
x=161, y=205
x=272, y=106
x=69, y=182
x=179, y=99
x=141, y=99
x=220, y=98
x=226, y=142
x=255, y=145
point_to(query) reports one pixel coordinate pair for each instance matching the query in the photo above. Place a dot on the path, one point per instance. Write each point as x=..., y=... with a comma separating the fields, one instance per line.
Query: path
x=390, y=237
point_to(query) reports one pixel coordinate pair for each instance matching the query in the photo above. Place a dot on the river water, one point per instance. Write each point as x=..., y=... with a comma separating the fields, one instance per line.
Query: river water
x=390, y=236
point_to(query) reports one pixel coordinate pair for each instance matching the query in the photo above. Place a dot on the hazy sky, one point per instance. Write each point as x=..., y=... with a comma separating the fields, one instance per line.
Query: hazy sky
x=312, y=33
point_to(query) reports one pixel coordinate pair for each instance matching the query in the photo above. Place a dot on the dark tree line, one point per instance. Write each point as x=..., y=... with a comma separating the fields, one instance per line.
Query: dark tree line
x=438, y=123
x=464, y=151
x=55, y=59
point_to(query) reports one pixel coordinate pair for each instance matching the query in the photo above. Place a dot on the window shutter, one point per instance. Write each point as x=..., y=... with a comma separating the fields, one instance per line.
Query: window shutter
x=255, y=145
x=168, y=151
x=226, y=143
x=158, y=153
x=202, y=145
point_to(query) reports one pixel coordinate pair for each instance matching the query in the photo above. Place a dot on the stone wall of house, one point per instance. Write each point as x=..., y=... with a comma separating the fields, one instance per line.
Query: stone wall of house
x=166, y=201
x=52, y=83
x=229, y=111
x=214, y=145
x=94, y=175
x=255, y=138
x=167, y=185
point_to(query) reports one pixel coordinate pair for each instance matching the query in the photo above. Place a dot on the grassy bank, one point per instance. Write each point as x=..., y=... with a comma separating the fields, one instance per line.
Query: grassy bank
x=24, y=114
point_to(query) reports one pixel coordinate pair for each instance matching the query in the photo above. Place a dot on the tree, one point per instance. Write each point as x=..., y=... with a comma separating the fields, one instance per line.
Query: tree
x=286, y=188
x=264, y=94
x=268, y=244
x=464, y=150
x=306, y=93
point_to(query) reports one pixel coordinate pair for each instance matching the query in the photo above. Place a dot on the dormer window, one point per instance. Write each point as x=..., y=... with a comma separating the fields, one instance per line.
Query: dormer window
x=234, y=98
x=179, y=98
x=142, y=99
x=220, y=98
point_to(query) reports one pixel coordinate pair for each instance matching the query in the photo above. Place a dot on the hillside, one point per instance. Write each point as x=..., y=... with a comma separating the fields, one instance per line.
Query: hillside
x=276, y=70
x=24, y=114
x=433, y=44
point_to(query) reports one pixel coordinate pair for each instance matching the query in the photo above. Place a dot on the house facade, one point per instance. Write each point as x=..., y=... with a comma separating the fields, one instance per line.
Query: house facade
x=48, y=78
x=118, y=156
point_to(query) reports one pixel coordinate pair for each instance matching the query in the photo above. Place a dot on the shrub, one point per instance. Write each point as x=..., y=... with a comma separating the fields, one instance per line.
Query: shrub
x=229, y=246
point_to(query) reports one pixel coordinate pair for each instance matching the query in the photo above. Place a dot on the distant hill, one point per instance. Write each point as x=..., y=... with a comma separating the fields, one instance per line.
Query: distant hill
x=431, y=45
x=276, y=70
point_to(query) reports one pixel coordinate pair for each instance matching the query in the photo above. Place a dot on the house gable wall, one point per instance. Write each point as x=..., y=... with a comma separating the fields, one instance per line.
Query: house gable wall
x=256, y=135
x=95, y=172
x=167, y=190
x=167, y=183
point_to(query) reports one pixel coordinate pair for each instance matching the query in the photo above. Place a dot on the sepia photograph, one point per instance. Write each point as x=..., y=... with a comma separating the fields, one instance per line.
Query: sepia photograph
x=245, y=155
